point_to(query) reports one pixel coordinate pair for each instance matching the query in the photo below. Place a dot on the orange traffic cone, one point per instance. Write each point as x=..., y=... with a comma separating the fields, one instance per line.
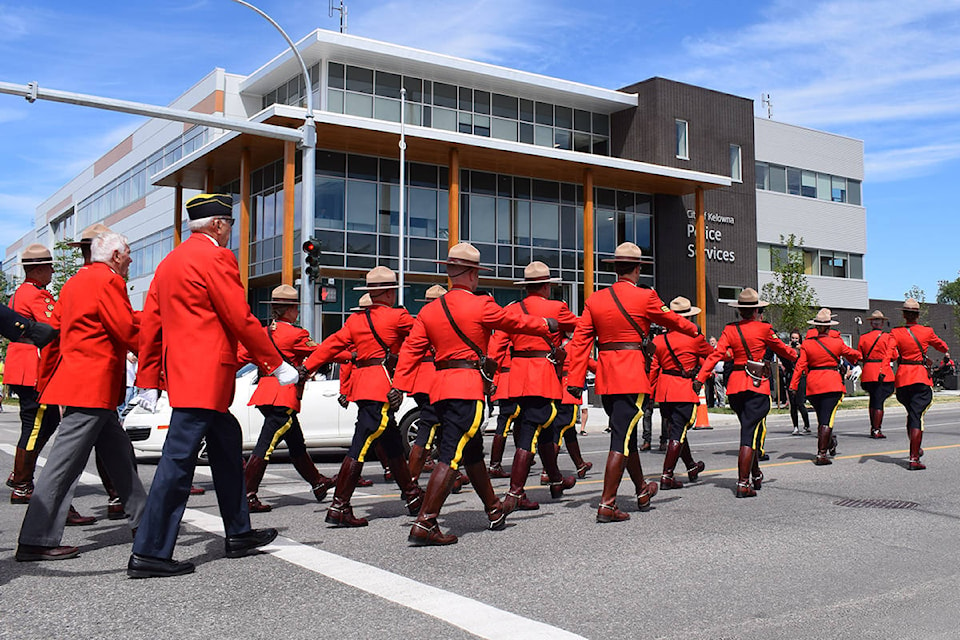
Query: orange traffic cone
x=703, y=418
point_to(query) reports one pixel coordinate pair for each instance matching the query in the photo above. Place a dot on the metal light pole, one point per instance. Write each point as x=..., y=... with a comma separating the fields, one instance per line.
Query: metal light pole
x=403, y=158
x=308, y=145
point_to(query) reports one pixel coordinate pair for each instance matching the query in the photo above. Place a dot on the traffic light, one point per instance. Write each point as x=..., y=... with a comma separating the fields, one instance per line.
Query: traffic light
x=312, y=250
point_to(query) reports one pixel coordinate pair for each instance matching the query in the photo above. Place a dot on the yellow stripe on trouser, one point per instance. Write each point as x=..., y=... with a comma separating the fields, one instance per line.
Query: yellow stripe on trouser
x=384, y=421
x=37, y=422
x=760, y=433
x=633, y=423
x=279, y=434
x=924, y=412
x=433, y=434
x=510, y=419
x=465, y=438
x=545, y=425
x=690, y=423
x=834, y=412
x=573, y=421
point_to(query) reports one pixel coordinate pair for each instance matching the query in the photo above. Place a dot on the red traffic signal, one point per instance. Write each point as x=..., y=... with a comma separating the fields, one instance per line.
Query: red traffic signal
x=312, y=250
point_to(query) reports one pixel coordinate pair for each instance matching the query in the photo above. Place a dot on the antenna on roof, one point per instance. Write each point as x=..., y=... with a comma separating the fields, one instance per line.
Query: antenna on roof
x=343, y=14
x=764, y=100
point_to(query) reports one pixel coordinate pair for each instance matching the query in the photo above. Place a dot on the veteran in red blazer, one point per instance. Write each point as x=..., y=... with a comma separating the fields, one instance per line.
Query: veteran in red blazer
x=195, y=313
x=97, y=329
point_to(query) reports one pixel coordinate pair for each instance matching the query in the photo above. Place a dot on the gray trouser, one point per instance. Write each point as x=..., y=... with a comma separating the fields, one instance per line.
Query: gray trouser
x=80, y=431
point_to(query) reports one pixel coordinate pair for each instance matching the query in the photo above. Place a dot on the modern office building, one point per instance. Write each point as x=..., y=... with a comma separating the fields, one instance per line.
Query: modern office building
x=525, y=167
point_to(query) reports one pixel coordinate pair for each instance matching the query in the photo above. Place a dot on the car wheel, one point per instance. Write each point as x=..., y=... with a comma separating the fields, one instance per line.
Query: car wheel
x=409, y=427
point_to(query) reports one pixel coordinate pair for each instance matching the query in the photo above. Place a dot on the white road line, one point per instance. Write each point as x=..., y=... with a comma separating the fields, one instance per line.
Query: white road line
x=472, y=616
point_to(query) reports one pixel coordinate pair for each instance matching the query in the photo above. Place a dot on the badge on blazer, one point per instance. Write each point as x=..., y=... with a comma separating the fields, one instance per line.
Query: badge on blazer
x=48, y=314
x=664, y=308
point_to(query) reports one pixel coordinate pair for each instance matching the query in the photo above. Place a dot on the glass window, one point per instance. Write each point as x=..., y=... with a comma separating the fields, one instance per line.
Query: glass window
x=736, y=172
x=643, y=233
x=388, y=85
x=504, y=129
x=389, y=170
x=359, y=79
x=444, y=119
x=414, y=87
x=545, y=225
x=505, y=107
x=543, y=136
x=389, y=211
x=544, y=113
x=335, y=73
x=328, y=203
x=504, y=221
x=601, y=124
x=763, y=257
x=362, y=243
x=839, y=191
x=683, y=149
x=562, y=139
x=808, y=184
x=422, y=204
x=335, y=101
x=581, y=120
x=412, y=113
x=482, y=218
x=823, y=186
x=483, y=183
x=526, y=110
x=606, y=234
x=568, y=227
x=762, y=175
x=481, y=126
x=466, y=99
x=386, y=109
x=526, y=133
x=422, y=175
x=564, y=117
x=361, y=205
x=521, y=224
x=856, y=266
x=793, y=181
x=363, y=167
x=465, y=122
x=358, y=105
x=444, y=95
x=546, y=190
x=481, y=102
x=778, y=178
x=581, y=142
x=853, y=192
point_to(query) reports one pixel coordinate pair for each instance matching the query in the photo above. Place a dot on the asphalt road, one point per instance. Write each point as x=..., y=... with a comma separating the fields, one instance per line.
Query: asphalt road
x=790, y=563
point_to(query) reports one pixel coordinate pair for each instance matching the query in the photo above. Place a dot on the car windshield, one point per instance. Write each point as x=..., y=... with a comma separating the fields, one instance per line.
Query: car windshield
x=245, y=369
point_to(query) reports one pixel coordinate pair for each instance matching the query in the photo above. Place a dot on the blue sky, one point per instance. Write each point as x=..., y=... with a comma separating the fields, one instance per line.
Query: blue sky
x=887, y=73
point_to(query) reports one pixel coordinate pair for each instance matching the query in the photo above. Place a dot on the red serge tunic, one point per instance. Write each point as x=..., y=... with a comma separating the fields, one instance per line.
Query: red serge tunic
x=665, y=375
x=820, y=364
x=537, y=376
x=910, y=369
x=22, y=364
x=878, y=349
x=759, y=336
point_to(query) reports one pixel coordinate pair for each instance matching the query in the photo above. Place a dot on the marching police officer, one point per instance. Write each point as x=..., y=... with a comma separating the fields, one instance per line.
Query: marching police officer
x=820, y=358
x=375, y=334
x=675, y=364
x=879, y=350
x=748, y=387
x=281, y=404
x=619, y=319
x=913, y=381
x=457, y=326
x=427, y=423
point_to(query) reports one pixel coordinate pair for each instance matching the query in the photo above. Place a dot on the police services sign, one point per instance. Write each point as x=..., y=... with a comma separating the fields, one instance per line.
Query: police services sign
x=714, y=234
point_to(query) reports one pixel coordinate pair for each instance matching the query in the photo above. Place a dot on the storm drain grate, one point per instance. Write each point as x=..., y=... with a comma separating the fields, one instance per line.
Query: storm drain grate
x=877, y=504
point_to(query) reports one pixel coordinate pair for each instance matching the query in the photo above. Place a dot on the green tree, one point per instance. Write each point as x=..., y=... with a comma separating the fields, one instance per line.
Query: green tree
x=791, y=297
x=948, y=292
x=67, y=261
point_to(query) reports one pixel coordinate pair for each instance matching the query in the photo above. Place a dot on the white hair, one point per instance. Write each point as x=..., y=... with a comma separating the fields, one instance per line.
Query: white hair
x=201, y=223
x=103, y=246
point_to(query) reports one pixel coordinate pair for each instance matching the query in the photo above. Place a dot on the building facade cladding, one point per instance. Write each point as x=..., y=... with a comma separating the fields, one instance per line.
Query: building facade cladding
x=714, y=122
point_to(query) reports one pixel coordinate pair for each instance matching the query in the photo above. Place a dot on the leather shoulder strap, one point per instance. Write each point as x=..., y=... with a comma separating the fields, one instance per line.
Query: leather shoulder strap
x=870, y=350
x=467, y=341
x=923, y=352
x=744, y=341
x=835, y=357
x=633, y=323
x=376, y=336
x=673, y=355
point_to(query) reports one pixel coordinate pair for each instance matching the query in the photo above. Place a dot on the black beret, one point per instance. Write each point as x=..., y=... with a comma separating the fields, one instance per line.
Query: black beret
x=210, y=205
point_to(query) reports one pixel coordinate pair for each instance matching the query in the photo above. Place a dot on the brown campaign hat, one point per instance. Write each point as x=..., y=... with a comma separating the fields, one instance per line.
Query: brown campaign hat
x=748, y=299
x=626, y=252
x=379, y=279
x=433, y=293
x=210, y=205
x=284, y=294
x=682, y=307
x=365, y=301
x=91, y=232
x=35, y=254
x=824, y=318
x=464, y=254
x=536, y=273
x=877, y=315
x=910, y=304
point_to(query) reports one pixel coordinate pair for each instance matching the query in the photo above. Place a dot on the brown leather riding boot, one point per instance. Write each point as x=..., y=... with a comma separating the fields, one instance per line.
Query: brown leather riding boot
x=252, y=474
x=645, y=490
x=744, y=466
x=418, y=458
x=425, y=531
x=876, y=420
x=612, y=474
x=694, y=467
x=318, y=482
x=916, y=438
x=21, y=480
x=496, y=458
x=516, y=497
x=549, y=454
x=340, y=512
x=756, y=474
x=823, y=442
x=409, y=489
x=573, y=448
x=477, y=472
x=667, y=481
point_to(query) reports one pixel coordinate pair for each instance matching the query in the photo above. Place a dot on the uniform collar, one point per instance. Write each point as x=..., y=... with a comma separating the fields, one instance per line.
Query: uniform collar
x=208, y=237
x=460, y=287
x=35, y=283
x=536, y=295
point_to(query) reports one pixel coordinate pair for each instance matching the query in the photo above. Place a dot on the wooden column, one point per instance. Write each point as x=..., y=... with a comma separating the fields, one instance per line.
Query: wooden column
x=588, y=226
x=453, y=198
x=699, y=248
x=289, y=201
x=177, y=214
x=208, y=184
x=244, y=249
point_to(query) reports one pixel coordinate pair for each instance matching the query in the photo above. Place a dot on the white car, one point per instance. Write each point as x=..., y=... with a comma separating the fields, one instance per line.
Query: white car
x=325, y=423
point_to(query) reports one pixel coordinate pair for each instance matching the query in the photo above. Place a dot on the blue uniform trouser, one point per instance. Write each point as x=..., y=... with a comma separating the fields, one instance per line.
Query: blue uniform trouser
x=170, y=489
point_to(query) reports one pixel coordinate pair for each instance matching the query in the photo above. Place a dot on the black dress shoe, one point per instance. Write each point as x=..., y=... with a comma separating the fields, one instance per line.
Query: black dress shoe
x=146, y=567
x=241, y=544
x=33, y=553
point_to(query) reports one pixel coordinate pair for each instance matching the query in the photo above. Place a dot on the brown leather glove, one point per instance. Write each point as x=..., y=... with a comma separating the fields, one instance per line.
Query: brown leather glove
x=697, y=385
x=552, y=325
x=576, y=392
x=395, y=398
